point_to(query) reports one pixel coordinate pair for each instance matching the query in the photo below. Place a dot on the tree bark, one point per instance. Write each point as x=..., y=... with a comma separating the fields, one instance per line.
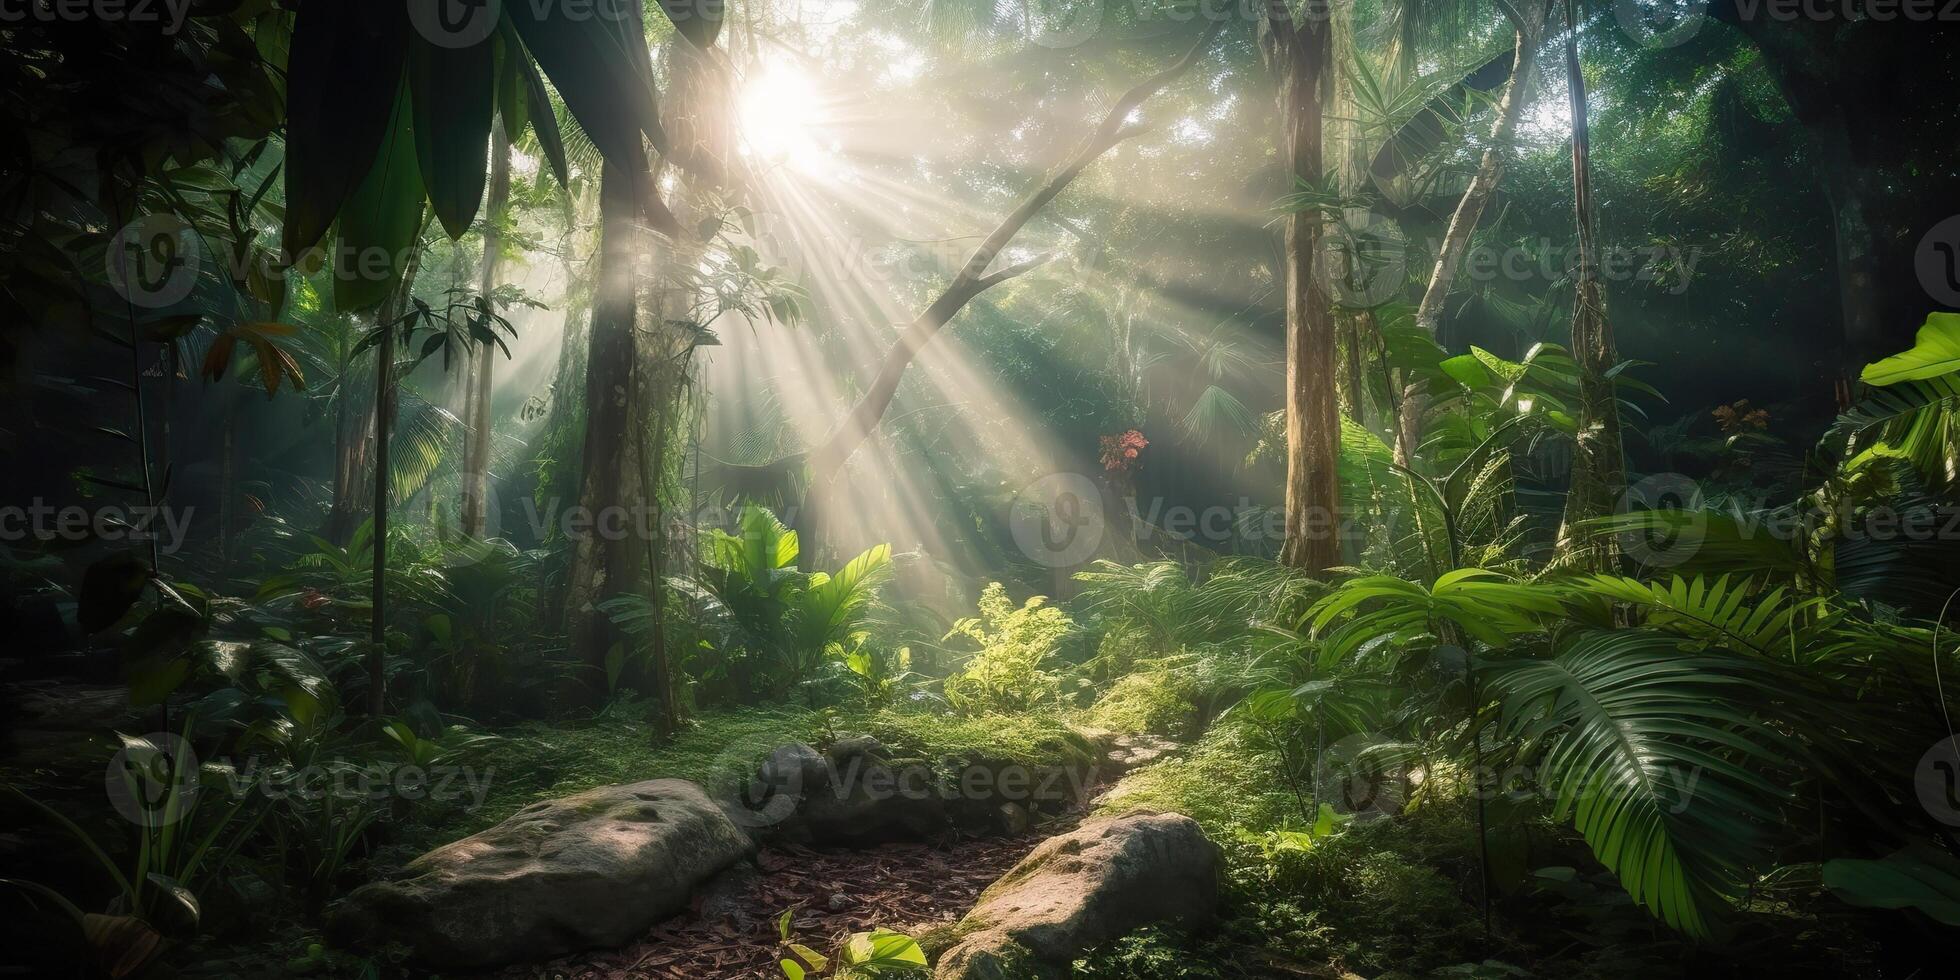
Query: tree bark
x=604, y=558
x=476, y=455
x=1299, y=54
x=384, y=422
x=1529, y=24
x=1598, y=460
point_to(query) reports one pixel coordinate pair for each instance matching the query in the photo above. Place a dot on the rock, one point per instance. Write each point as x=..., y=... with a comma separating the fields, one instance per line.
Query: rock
x=729, y=897
x=865, y=800
x=590, y=870
x=1131, y=752
x=1013, y=819
x=1101, y=881
x=858, y=792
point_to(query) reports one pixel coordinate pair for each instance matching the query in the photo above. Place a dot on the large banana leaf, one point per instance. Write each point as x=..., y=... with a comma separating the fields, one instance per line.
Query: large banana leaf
x=336, y=118
x=1659, y=756
x=1935, y=351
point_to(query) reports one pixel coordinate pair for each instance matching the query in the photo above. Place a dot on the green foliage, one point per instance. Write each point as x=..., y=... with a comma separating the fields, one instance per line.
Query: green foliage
x=1660, y=757
x=767, y=626
x=877, y=953
x=1009, y=673
x=1154, y=701
x=1487, y=606
x=1229, y=779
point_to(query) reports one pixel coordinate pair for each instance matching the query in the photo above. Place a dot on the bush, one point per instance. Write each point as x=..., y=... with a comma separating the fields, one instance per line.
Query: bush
x=1008, y=674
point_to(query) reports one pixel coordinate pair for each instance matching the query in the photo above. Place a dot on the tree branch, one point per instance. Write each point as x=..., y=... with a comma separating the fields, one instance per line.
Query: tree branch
x=829, y=458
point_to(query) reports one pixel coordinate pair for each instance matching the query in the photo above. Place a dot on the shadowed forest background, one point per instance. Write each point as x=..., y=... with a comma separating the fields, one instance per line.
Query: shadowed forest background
x=1412, y=487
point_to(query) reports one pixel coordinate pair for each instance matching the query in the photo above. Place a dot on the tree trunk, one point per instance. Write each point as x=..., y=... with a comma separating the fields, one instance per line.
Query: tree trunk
x=1299, y=55
x=1470, y=210
x=476, y=457
x=384, y=422
x=1598, y=461
x=605, y=558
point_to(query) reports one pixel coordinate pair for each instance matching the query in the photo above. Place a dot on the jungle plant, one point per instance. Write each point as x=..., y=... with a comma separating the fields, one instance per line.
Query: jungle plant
x=1009, y=672
x=769, y=625
x=181, y=844
x=877, y=953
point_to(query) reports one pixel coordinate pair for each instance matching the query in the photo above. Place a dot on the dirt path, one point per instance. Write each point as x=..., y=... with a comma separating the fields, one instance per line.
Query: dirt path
x=731, y=932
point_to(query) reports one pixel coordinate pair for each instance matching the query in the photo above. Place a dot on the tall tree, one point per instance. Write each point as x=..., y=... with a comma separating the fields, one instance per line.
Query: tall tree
x=1598, y=462
x=476, y=455
x=1529, y=24
x=1299, y=51
x=605, y=559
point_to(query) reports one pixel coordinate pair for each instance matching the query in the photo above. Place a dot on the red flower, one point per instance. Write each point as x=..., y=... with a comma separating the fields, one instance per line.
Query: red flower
x=1119, y=451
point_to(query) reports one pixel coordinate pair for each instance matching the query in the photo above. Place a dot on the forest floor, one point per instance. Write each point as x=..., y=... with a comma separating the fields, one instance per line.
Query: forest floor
x=732, y=932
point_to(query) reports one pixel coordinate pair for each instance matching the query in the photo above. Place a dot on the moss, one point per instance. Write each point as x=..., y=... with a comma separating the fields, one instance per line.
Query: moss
x=543, y=761
x=1153, y=701
x=1228, y=781
x=1029, y=740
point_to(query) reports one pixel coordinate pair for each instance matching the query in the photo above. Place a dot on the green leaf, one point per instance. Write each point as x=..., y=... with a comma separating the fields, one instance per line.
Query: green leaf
x=882, y=951
x=1916, y=877
x=818, y=962
x=153, y=679
x=593, y=63
x=336, y=117
x=1935, y=351
x=1656, y=755
x=381, y=219
x=453, y=91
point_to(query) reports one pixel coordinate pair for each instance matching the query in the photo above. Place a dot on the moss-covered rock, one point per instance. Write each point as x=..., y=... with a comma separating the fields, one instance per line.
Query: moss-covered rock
x=1100, y=881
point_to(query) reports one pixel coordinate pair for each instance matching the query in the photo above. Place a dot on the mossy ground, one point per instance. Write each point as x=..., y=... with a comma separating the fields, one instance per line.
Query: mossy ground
x=544, y=760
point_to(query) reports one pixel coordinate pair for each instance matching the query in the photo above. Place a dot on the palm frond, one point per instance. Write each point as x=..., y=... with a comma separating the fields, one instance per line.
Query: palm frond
x=1658, y=756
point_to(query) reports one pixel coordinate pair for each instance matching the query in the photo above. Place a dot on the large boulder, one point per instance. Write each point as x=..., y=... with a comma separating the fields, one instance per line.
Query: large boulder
x=590, y=870
x=857, y=792
x=1104, y=879
x=852, y=794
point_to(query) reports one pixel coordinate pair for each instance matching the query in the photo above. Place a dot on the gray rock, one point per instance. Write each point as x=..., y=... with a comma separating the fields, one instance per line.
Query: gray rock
x=590, y=870
x=1127, y=753
x=1106, y=878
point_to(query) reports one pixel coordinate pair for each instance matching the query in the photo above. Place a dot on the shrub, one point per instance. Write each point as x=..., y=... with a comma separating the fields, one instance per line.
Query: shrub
x=1008, y=674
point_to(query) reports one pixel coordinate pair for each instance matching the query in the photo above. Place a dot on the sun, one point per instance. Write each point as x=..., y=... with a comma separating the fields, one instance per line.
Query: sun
x=782, y=116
